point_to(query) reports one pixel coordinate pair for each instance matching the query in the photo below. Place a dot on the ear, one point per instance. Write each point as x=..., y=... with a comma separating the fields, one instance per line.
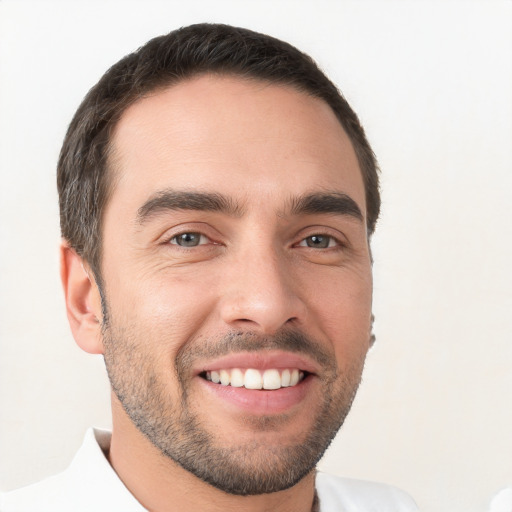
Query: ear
x=83, y=300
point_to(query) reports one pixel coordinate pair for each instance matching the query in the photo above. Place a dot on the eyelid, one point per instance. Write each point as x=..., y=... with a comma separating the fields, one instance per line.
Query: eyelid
x=337, y=243
x=336, y=235
x=203, y=239
x=200, y=228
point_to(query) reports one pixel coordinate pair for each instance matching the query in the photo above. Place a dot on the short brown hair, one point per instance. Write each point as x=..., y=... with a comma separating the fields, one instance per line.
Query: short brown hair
x=82, y=177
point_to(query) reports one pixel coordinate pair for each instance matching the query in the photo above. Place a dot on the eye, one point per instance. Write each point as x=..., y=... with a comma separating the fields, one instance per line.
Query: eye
x=319, y=242
x=189, y=239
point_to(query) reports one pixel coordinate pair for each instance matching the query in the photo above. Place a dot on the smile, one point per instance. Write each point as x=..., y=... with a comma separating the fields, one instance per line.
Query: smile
x=270, y=379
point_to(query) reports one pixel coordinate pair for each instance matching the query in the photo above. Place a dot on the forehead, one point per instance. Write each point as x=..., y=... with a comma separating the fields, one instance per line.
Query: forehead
x=242, y=137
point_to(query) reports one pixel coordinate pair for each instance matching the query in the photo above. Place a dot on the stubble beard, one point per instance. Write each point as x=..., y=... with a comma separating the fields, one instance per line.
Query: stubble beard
x=179, y=434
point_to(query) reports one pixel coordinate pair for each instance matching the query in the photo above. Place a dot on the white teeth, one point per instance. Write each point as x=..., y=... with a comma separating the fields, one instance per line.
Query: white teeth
x=271, y=379
x=294, y=378
x=237, y=378
x=255, y=379
x=224, y=377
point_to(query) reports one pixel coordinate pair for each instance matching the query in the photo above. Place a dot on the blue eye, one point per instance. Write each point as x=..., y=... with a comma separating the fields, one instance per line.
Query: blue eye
x=188, y=239
x=318, y=242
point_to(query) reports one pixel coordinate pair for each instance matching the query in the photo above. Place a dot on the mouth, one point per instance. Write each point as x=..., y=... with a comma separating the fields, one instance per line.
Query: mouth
x=252, y=378
x=259, y=383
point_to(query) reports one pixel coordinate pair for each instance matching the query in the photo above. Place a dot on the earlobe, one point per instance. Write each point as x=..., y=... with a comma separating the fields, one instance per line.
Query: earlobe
x=83, y=300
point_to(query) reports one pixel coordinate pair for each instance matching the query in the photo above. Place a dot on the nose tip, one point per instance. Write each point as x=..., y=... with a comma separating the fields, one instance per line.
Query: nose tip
x=262, y=298
x=263, y=314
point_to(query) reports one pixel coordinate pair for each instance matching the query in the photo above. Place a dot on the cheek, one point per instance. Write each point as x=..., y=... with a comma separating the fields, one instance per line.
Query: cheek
x=344, y=312
x=165, y=310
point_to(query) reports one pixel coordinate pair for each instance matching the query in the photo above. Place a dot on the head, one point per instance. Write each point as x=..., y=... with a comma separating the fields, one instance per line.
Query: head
x=83, y=180
x=220, y=194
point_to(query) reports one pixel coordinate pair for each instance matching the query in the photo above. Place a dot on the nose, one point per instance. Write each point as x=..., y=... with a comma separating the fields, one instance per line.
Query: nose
x=260, y=293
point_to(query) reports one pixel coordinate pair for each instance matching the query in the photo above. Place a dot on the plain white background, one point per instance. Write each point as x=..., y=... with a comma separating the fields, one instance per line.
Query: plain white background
x=432, y=82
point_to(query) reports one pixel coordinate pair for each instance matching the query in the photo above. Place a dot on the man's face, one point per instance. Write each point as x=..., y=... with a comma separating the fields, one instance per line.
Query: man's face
x=235, y=247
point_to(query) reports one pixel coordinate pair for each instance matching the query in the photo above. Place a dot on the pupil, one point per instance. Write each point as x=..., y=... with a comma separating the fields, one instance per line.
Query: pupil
x=188, y=239
x=318, y=241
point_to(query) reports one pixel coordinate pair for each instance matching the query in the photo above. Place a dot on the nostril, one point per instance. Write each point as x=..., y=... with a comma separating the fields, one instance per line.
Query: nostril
x=267, y=312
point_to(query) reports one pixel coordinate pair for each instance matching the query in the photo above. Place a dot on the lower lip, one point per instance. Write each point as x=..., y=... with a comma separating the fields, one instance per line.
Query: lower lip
x=261, y=402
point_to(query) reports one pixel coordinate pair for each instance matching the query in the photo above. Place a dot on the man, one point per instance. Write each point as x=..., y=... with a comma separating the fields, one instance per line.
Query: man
x=217, y=198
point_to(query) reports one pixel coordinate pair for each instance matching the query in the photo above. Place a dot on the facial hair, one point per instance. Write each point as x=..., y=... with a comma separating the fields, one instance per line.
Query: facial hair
x=177, y=431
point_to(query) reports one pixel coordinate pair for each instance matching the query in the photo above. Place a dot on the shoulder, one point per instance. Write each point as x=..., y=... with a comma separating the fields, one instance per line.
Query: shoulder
x=39, y=496
x=89, y=484
x=350, y=495
x=502, y=501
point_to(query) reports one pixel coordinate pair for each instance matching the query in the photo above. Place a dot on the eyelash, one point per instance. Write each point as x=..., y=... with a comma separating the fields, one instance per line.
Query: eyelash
x=332, y=243
x=174, y=239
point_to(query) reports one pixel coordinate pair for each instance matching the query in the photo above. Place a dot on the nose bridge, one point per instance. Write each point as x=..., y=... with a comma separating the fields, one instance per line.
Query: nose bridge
x=260, y=290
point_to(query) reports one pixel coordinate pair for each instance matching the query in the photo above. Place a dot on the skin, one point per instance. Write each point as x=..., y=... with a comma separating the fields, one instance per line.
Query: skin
x=252, y=272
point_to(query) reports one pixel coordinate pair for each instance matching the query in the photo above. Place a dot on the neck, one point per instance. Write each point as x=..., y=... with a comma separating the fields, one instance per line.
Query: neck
x=161, y=485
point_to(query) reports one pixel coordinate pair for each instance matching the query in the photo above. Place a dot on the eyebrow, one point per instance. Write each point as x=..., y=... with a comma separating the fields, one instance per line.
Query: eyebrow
x=173, y=200
x=326, y=202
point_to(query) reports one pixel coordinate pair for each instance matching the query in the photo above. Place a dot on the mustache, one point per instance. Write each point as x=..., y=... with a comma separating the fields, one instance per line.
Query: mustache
x=233, y=342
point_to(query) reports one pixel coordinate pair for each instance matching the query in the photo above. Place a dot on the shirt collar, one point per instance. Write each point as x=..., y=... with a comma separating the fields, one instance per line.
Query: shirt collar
x=94, y=478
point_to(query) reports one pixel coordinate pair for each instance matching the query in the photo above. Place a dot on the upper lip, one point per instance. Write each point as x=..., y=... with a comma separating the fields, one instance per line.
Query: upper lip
x=260, y=360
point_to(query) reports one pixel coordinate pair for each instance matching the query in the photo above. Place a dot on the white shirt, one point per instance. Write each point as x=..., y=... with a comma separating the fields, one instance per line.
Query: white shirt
x=91, y=485
x=502, y=501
